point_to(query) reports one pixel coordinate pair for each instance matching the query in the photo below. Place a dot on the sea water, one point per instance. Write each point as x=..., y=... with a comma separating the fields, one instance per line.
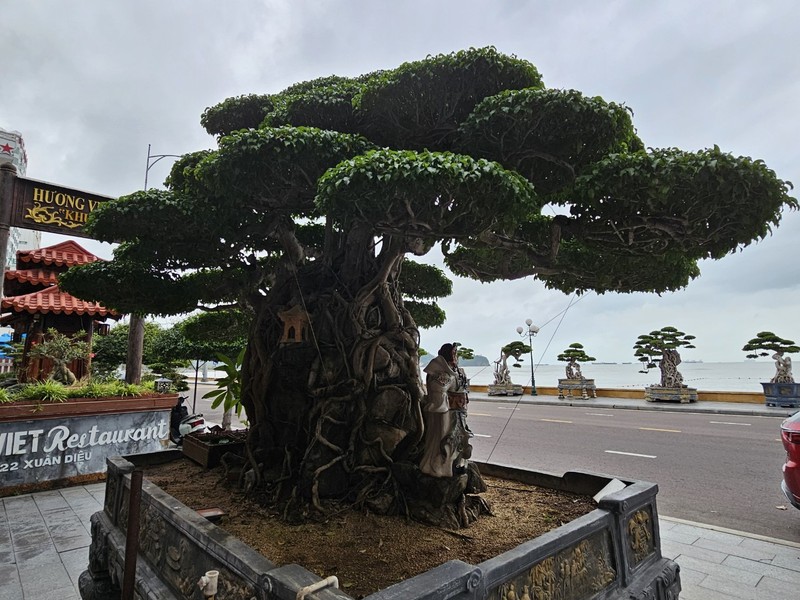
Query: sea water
x=745, y=376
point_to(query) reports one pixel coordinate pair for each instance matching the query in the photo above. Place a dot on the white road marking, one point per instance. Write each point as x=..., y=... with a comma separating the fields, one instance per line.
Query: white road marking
x=507, y=408
x=629, y=454
x=481, y=435
x=477, y=414
x=657, y=429
x=555, y=421
x=599, y=415
x=729, y=423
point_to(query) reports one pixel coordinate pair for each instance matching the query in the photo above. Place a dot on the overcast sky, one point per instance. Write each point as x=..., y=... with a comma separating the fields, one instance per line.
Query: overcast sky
x=90, y=84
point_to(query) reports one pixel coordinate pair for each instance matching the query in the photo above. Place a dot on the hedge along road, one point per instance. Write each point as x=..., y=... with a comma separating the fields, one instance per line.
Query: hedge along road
x=722, y=470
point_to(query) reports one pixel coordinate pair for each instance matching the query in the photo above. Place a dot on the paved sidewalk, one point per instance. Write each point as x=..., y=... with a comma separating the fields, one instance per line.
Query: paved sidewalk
x=703, y=406
x=722, y=564
x=45, y=537
x=44, y=542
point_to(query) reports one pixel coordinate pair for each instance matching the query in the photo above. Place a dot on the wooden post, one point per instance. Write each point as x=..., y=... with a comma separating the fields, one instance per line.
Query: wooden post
x=90, y=341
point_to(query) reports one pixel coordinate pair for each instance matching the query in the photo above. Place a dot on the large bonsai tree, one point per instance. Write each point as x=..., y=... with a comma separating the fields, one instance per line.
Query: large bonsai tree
x=767, y=343
x=517, y=349
x=574, y=355
x=314, y=197
x=660, y=348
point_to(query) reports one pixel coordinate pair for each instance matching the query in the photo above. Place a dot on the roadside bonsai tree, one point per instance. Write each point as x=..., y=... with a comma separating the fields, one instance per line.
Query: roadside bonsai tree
x=61, y=349
x=767, y=343
x=660, y=348
x=517, y=349
x=312, y=202
x=574, y=355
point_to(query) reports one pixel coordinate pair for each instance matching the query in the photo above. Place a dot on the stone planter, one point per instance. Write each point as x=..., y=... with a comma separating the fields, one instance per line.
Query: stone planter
x=785, y=395
x=611, y=553
x=585, y=386
x=48, y=445
x=657, y=393
x=206, y=449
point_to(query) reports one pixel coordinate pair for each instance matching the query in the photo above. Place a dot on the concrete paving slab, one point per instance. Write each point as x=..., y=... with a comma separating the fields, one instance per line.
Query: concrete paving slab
x=737, y=549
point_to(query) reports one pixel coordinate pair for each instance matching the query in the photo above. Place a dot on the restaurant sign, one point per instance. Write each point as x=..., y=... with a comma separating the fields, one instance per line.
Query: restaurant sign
x=49, y=207
x=34, y=451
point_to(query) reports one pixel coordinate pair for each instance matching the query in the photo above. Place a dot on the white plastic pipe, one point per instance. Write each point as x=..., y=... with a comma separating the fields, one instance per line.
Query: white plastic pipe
x=331, y=581
x=208, y=583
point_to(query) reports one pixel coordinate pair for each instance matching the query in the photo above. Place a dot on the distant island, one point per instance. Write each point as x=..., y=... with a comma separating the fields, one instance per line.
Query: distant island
x=477, y=361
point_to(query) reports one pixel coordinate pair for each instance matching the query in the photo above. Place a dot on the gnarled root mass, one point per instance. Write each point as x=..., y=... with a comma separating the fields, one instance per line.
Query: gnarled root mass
x=336, y=409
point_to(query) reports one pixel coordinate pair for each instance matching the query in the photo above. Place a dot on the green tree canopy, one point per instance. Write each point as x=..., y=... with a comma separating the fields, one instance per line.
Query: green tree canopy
x=767, y=343
x=516, y=349
x=650, y=347
x=575, y=352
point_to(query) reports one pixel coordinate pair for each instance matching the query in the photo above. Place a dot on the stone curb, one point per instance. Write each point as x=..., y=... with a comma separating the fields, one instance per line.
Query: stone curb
x=746, y=409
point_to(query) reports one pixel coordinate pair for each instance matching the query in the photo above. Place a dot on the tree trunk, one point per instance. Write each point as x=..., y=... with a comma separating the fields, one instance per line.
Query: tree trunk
x=226, y=419
x=336, y=413
x=133, y=364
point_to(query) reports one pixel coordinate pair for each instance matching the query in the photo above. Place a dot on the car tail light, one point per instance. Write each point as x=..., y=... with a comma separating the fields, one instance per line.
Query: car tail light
x=793, y=437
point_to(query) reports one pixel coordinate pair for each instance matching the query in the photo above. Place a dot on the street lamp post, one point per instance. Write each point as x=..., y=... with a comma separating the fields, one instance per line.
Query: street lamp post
x=133, y=362
x=151, y=162
x=531, y=332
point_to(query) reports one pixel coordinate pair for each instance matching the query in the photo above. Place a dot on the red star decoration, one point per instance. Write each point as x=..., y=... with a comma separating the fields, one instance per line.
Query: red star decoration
x=6, y=149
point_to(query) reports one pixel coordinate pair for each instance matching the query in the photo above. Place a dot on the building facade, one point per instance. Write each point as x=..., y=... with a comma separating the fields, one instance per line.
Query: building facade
x=12, y=150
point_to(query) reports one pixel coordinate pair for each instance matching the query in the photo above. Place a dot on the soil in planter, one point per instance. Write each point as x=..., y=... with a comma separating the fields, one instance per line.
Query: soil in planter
x=368, y=552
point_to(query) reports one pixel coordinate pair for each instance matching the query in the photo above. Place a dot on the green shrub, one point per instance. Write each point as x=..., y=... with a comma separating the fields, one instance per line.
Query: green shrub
x=52, y=391
x=4, y=397
x=93, y=389
x=45, y=391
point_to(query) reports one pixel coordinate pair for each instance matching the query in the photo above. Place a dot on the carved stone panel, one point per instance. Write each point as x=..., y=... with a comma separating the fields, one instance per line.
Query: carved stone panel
x=577, y=572
x=640, y=535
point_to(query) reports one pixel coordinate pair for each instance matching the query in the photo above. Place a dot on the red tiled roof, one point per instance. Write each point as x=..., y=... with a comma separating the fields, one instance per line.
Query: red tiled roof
x=53, y=300
x=66, y=253
x=35, y=276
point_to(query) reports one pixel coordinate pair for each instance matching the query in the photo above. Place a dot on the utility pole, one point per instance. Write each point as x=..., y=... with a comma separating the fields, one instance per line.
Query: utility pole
x=133, y=364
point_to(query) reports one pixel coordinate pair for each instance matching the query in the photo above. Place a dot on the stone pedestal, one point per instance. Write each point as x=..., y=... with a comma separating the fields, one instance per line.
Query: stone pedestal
x=585, y=386
x=785, y=395
x=657, y=393
x=505, y=389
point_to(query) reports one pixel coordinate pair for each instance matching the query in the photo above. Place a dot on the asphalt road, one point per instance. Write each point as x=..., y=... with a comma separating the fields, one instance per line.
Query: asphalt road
x=722, y=470
x=212, y=415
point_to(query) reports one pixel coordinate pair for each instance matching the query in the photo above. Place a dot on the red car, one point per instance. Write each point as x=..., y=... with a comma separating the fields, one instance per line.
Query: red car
x=790, y=435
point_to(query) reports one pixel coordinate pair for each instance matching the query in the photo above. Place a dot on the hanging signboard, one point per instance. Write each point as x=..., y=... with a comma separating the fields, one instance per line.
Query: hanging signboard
x=35, y=451
x=49, y=207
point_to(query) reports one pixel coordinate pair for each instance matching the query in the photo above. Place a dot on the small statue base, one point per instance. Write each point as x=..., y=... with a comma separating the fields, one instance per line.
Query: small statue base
x=656, y=393
x=586, y=387
x=505, y=389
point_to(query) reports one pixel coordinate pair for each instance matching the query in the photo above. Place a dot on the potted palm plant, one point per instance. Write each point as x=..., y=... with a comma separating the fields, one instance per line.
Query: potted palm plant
x=660, y=348
x=781, y=390
x=208, y=448
x=574, y=380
